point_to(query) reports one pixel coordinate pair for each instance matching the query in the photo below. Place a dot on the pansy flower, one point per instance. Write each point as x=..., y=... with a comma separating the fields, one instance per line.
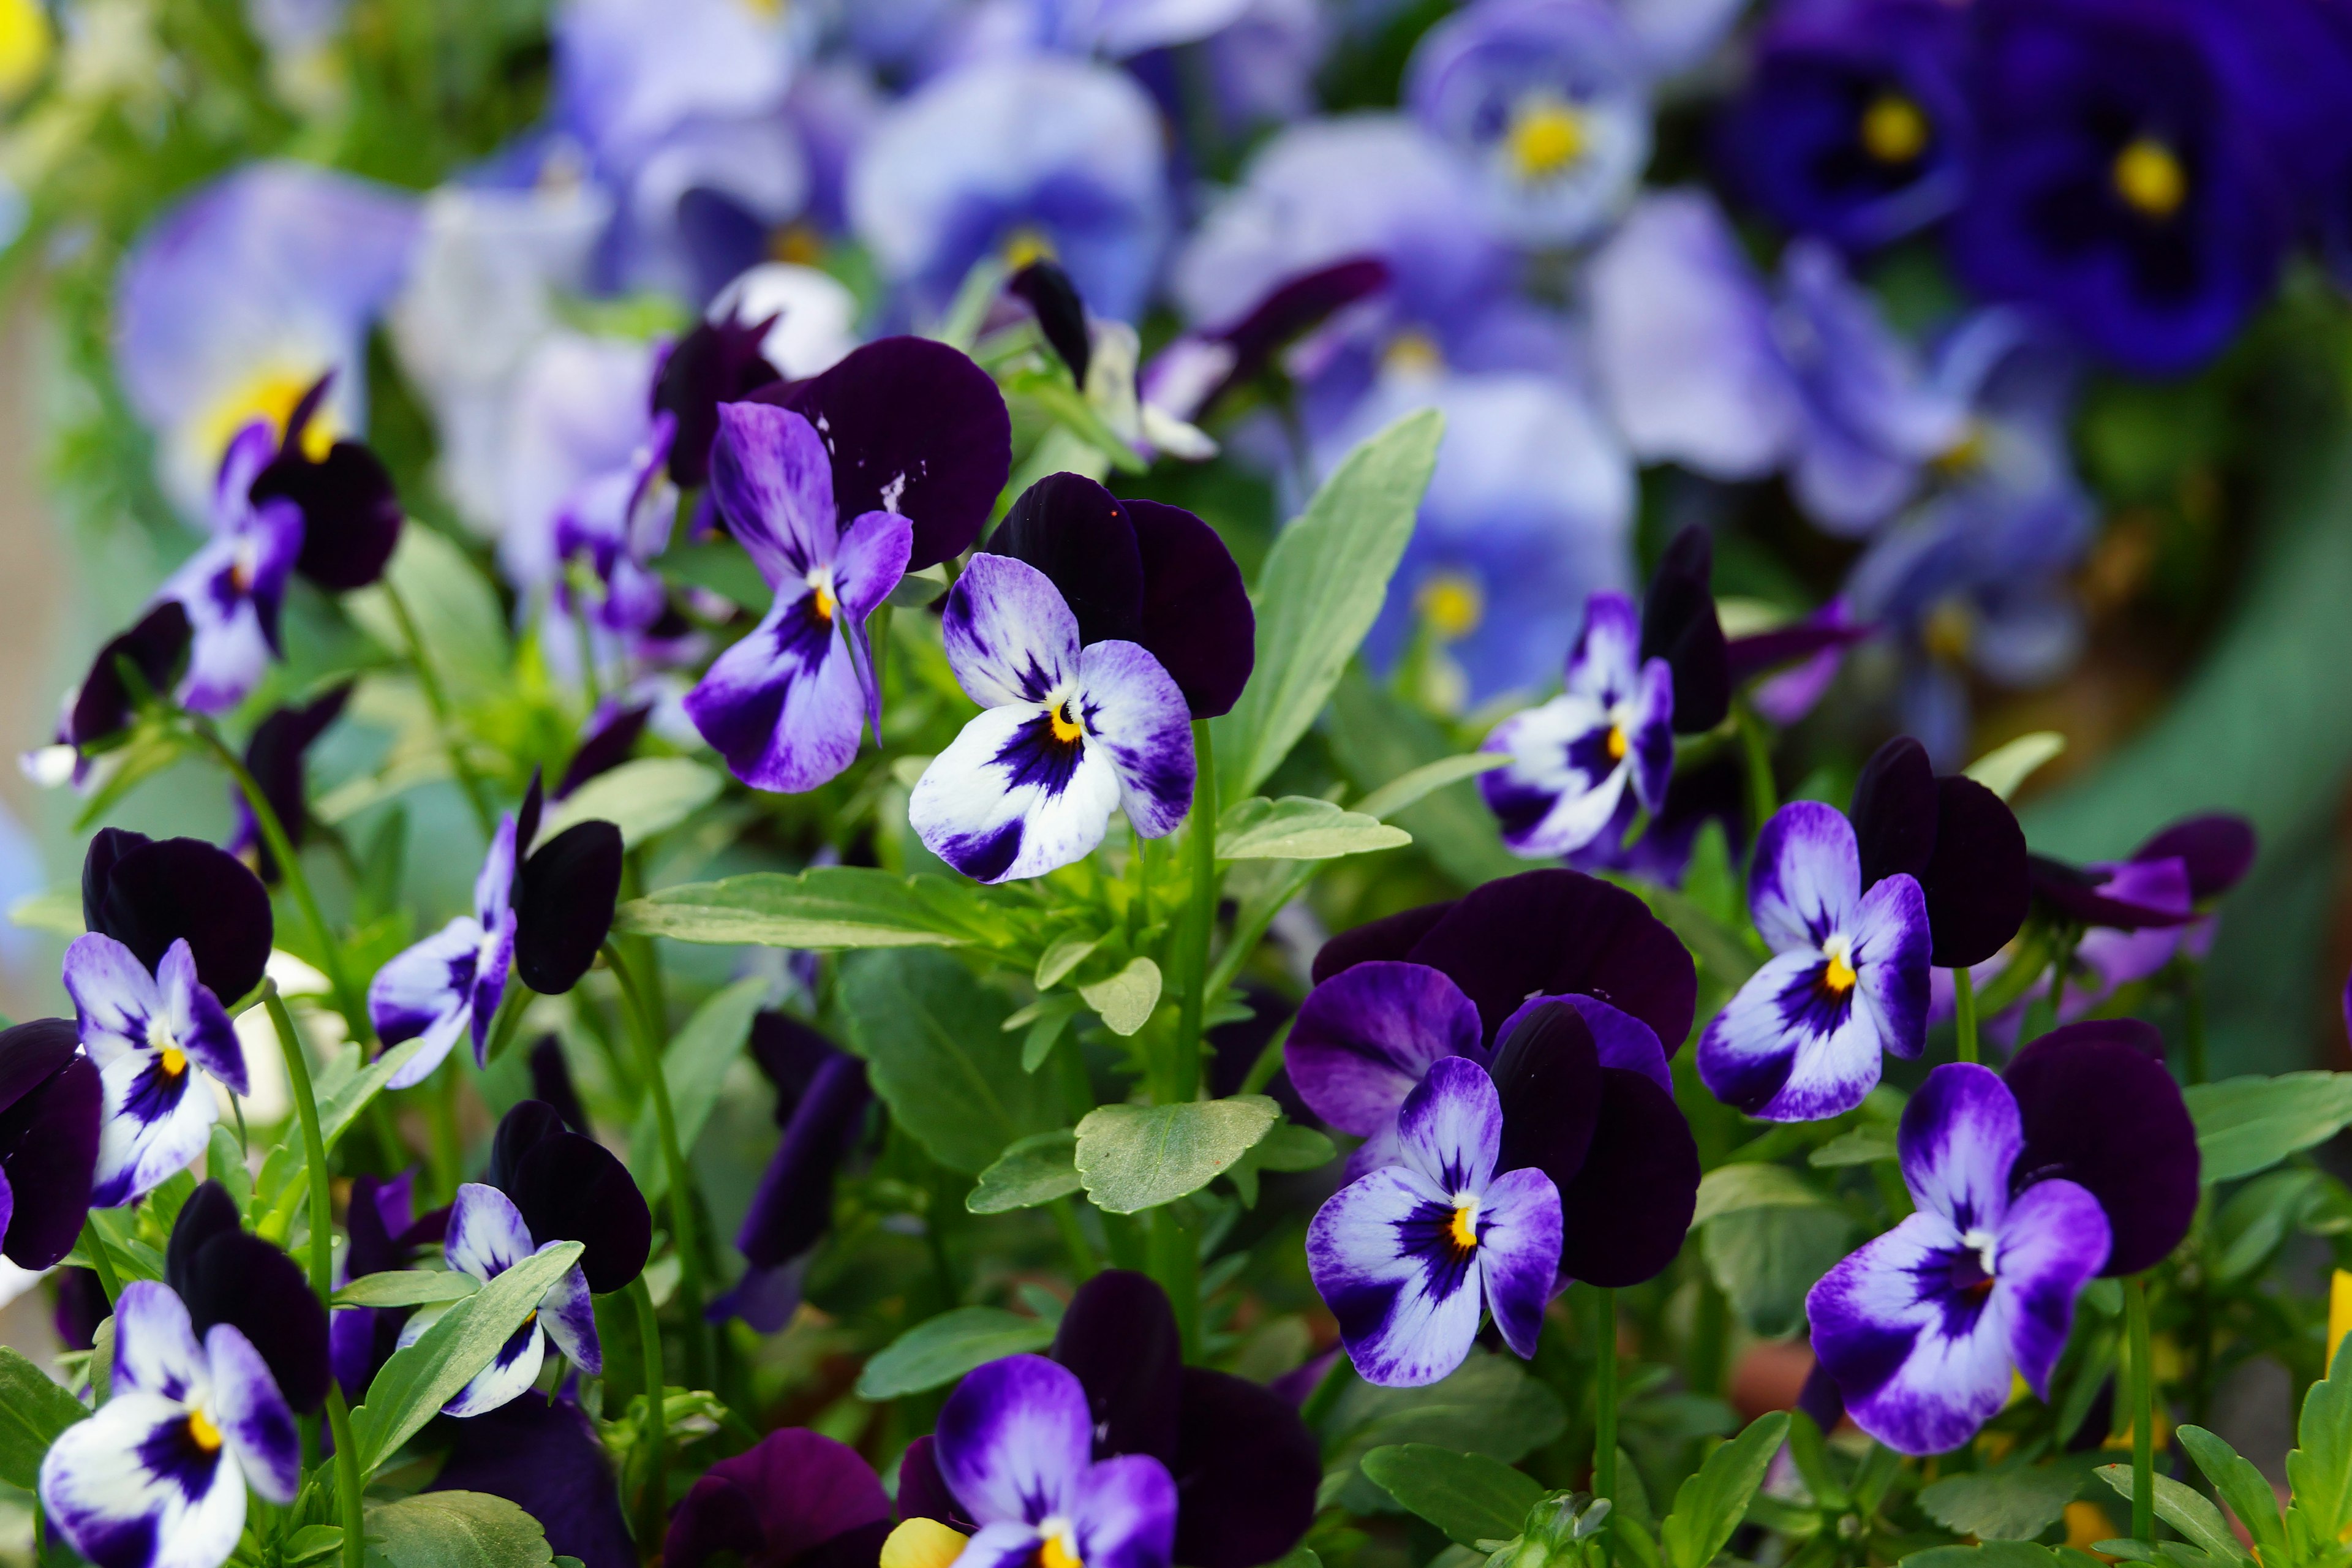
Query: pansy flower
x=234, y=587
x=1189, y=377
x=1102, y=357
x=1847, y=981
x=50, y=1103
x=224, y=1275
x=611, y=735
x=452, y=982
x=1015, y=1447
x=1069, y=732
x=1956, y=839
x=1412, y=1256
x=148, y=893
x=157, y=1035
x=487, y=1236
x=795, y=1497
x=1609, y=733
x=543, y=1455
x=275, y=756
x=612, y=526
x=566, y=1186
x=2137, y=1155
x=1926, y=1327
x=385, y=1232
x=99, y=708
x=156, y=1479
x=351, y=514
x=718, y=361
x=821, y=1098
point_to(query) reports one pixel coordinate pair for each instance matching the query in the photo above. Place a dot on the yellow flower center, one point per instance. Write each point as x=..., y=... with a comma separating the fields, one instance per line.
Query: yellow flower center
x=1616, y=743
x=203, y=1433
x=1452, y=604
x=24, y=45
x=1066, y=727
x=1964, y=455
x=1463, y=1229
x=271, y=394
x=1060, y=1548
x=1838, y=978
x=1893, y=130
x=165, y=1044
x=1027, y=244
x=820, y=588
x=1951, y=630
x=798, y=243
x=766, y=10
x=2149, y=178
x=1412, y=353
x=1547, y=135
x=922, y=1543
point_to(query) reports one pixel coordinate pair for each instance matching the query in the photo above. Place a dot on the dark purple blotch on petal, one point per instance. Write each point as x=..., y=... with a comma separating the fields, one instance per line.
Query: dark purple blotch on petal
x=1679, y=625
x=2100, y=1109
x=1893, y=810
x=226, y=1276
x=2217, y=850
x=570, y=1188
x=1631, y=1205
x=50, y=1111
x=1548, y=1078
x=1246, y=1470
x=1078, y=534
x=274, y=757
x=914, y=427
x=148, y=893
x=1389, y=939
x=796, y=1497
x=1197, y=619
x=2073, y=893
x=714, y=363
x=923, y=1492
x=1061, y=312
x=1821, y=1400
x=789, y=1052
x=550, y=1084
x=351, y=511
x=542, y=1455
x=154, y=647
x=564, y=905
x=612, y=736
x=1119, y=1337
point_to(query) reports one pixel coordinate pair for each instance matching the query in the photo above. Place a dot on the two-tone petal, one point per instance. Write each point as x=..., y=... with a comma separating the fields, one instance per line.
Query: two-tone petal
x=486, y=1237
x=147, y=1033
x=1366, y=1038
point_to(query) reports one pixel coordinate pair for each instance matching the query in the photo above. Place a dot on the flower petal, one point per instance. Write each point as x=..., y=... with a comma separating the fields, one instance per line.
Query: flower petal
x=1197, y=619
x=1135, y=718
x=1602, y=665
x=1365, y=1038
x=252, y=1286
x=2137, y=1155
x=2217, y=850
x=1548, y=1084
x=50, y=1140
x=131, y=1487
x=1562, y=786
x=1081, y=537
x=1392, y=938
x=1920, y=1370
x=1808, y=876
x=772, y=481
x=487, y=1235
x=1408, y=1302
x=199, y=1022
x=563, y=909
x=783, y=705
x=870, y=561
x=567, y=1187
x=1785, y=1050
x=1246, y=1470
x=1518, y=1253
x=1626, y=1212
x=1890, y=957
x=1652, y=737
x=510, y=1374
x=1118, y=1336
x=2054, y=1243
x=543, y=1455
x=1007, y=799
x=1450, y=1126
x=794, y=1490
x=793, y=1202
x=426, y=990
x=252, y=1414
x=1014, y=1440
x=154, y=647
x=570, y=1319
x=155, y=1123
x=115, y=997
x=1618, y=1040
x=351, y=513
x=1679, y=625
x=1003, y=1544
x=1959, y=1136
x=1011, y=637
x=1124, y=1513
x=1976, y=884
x=155, y=1349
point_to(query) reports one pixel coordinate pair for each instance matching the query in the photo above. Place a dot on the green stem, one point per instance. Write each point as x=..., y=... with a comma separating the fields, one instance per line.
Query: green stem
x=652, y=1504
x=314, y=1146
x=1604, y=1399
x=1709, y=1329
x=1200, y=918
x=681, y=1190
x=348, y=1482
x=2142, y=1409
x=1176, y=1264
x=2193, y=1023
x=1763, y=796
x=99, y=1262
x=1964, y=1012
x=297, y=884
x=1320, y=1403
x=448, y=1152
x=1083, y=1266
x=438, y=701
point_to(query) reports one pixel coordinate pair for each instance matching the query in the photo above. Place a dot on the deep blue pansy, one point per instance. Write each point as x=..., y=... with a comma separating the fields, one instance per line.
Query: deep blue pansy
x=234, y=587
x=451, y=982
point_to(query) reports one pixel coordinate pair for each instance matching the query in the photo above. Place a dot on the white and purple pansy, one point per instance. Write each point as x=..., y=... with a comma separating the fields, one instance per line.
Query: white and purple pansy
x=1847, y=981
x=486, y=1237
x=1015, y=1447
x=1573, y=758
x=234, y=587
x=1921, y=1327
x=1069, y=732
x=156, y=1037
x=156, y=1479
x=453, y=981
x=1410, y=1257
x=784, y=705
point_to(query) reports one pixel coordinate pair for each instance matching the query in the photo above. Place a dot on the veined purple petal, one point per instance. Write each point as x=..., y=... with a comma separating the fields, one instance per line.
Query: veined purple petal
x=1197, y=620
x=783, y=706
x=252, y=1414
x=1651, y=734
x=199, y=1023
x=247, y=453
x=1004, y=1545
x=2054, y=1243
x=2132, y=896
x=1246, y=1470
x=2217, y=850
x=1124, y=1513
x=1808, y=876
x=1136, y=717
x=133, y=1477
x=487, y=1235
x=156, y=1121
x=869, y=561
x=48, y=1149
x=2138, y=1155
x=1618, y=1040
x=1788, y=1047
x=1547, y=1076
x=155, y=1348
x=1626, y=1212
x=1014, y=1440
x=115, y=998
x=1450, y=1126
x=774, y=482
x=1606, y=660
x=1679, y=625
x=1518, y=1253
x=793, y=1204
x=510, y=1374
x=570, y=1319
x=494, y=883
x=496, y=959
x=1890, y=957
x=427, y=990
x=544, y=1456
x=1366, y=1037
x=1011, y=637
x=1959, y=1136
x=1009, y=798
x=1922, y=1364
x=1118, y=1336
x=791, y=1493
x=1568, y=772
x=1407, y=1295
x=1083, y=539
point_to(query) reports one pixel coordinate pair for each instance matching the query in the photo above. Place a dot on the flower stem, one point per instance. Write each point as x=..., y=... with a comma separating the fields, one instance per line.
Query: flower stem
x=2142, y=1409
x=1083, y=1266
x=1604, y=1400
x=653, y=1503
x=2192, y=1021
x=1763, y=796
x=100, y=1264
x=641, y=1025
x=348, y=1482
x=1964, y=1010
x=438, y=701
x=1176, y=1264
x=1200, y=918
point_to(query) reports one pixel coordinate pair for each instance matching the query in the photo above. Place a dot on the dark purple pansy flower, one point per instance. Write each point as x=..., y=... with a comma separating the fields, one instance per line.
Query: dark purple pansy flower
x=796, y=1497
x=351, y=514
x=234, y=587
x=1192, y=373
x=716, y=362
x=2136, y=915
x=542, y=1455
x=104, y=705
x=1141, y=572
x=385, y=1235
x=1955, y=837
x=149, y=893
x=1854, y=122
x=551, y=1081
x=821, y=1100
x=1061, y=312
x=612, y=734
x=568, y=1188
x=1245, y=1466
x=274, y=757
x=1922, y=1326
x=49, y=1115
x=1715, y=791
x=226, y=1276
x=1679, y=625
x=2215, y=852
x=564, y=901
x=1806, y=655
x=2100, y=1110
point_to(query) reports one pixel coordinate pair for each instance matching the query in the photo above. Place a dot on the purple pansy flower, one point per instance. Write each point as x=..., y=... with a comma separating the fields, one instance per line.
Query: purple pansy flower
x=1410, y=1257
x=99, y=708
x=1922, y=1326
x=1015, y=1447
x=274, y=757
x=785, y=705
x=605, y=742
x=1573, y=759
x=155, y=1036
x=453, y=981
x=566, y=1186
x=543, y=1455
x=351, y=513
x=486, y=1237
x=50, y=1118
x=822, y=1096
x=615, y=525
x=156, y=1479
x=234, y=587
x=2137, y=1155
x=1956, y=839
x=795, y=1495
x=148, y=893
x=1847, y=981
x=385, y=1232
x=1069, y=733
x=224, y=1275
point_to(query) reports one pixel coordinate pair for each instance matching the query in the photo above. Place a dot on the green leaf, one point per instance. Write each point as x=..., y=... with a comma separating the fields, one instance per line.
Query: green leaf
x=1765, y=1260
x=311, y=1542
x=1409, y=788
x=1378, y=742
x=408, y=1288
x=1126, y=999
x=1489, y=1406
x=2002, y=769
x=454, y=1530
x=460, y=624
x=825, y=909
x=1065, y=953
x=343, y=1088
x=694, y=1067
x=723, y=567
x=2320, y=1468
x=421, y=1378
x=1752, y=1185
x=1300, y=827
x=1135, y=1157
x=1711, y=1503
x=1290, y=1147
x=2257, y=1218
x=2002, y=1505
x=1857, y=1146
x=56, y=911
x=944, y=1348
x=1322, y=588
x=33, y=1410
x=1991, y=1554
x=934, y=1045
x=2185, y=1509
x=1036, y=1170
x=2243, y=1487
x=1469, y=1497
x=2249, y=1124
x=642, y=798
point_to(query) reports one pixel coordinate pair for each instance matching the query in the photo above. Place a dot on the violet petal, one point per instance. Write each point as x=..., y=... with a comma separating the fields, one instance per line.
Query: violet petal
x=2099, y=1109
